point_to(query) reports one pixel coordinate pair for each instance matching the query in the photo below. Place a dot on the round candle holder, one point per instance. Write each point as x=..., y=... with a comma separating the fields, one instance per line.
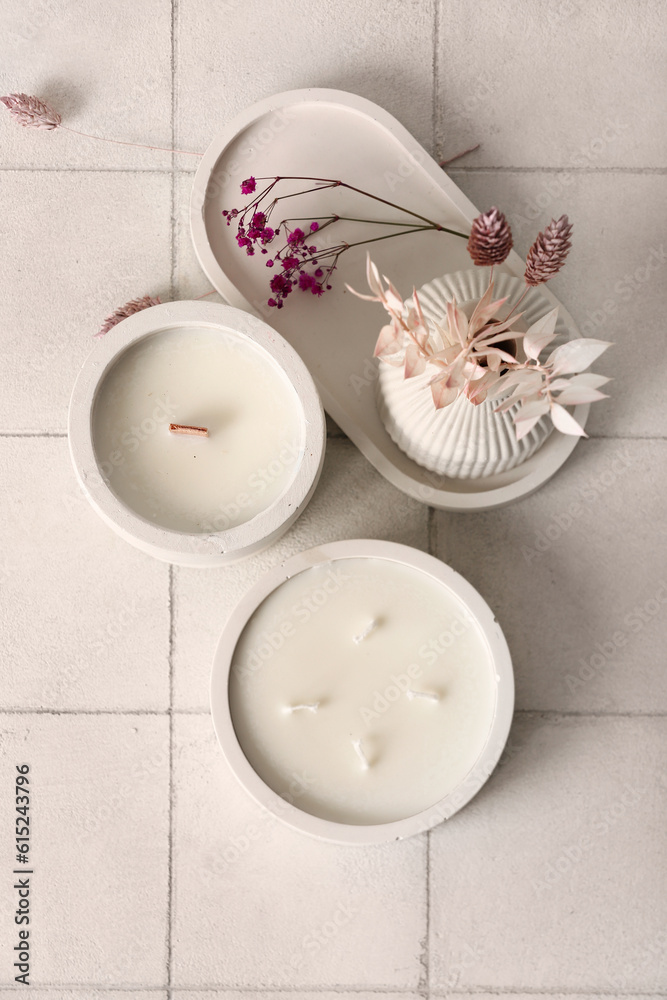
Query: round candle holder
x=490, y=748
x=205, y=547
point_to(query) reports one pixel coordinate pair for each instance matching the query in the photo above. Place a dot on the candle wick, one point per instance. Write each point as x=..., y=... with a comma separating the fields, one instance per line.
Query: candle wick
x=312, y=707
x=430, y=695
x=367, y=631
x=359, y=750
x=188, y=429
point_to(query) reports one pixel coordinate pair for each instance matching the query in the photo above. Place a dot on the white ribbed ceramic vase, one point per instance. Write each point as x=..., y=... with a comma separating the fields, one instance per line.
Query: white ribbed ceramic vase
x=461, y=441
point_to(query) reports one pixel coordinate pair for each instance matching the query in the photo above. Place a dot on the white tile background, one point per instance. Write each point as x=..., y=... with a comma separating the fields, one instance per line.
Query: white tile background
x=155, y=875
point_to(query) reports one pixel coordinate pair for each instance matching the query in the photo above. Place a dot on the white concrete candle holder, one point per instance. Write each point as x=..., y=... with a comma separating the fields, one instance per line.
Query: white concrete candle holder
x=354, y=745
x=187, y=363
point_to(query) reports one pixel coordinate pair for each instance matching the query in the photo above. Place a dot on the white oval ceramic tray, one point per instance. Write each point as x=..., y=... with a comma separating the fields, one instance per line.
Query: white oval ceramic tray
x=333, y=134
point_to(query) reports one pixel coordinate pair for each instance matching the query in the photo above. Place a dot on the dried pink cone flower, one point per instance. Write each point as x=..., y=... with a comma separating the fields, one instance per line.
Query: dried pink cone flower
x=31, y=112
x=490, y=238
x=548, y=252
x=134, y=306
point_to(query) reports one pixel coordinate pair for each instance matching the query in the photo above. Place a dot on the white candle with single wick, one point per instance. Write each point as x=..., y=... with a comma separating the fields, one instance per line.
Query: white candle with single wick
x=250, y=420
x=367, y=686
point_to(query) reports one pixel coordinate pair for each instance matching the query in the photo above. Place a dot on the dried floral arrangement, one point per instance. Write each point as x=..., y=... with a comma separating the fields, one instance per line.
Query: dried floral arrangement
x=477, y=356
x=472, y=356
x=294, y=255
x=464, y=356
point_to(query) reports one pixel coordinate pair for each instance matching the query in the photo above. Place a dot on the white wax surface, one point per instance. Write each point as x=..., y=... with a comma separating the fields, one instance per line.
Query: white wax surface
x=202, y=377
x=389, y=724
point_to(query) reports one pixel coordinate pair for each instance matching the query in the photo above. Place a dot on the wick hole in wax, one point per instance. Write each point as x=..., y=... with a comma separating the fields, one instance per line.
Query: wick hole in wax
x=360, y=747
x=305, y=706
x=368, y=629
x=414, y=694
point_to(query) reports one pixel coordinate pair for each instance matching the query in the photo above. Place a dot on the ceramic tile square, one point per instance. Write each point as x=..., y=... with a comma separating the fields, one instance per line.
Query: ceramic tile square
x=380, y=50
x=105, y=68
x=553, y=878
x=255, y=902
x=613, y=282
x=540, y=84
x=576, y=577
x=99, y=790
x=86, y=620
x=351, y=501
x=83, y=244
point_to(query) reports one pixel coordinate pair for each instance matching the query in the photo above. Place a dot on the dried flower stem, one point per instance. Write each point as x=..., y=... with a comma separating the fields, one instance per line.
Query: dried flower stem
x=457, y=156
x=137, y=145
x=518, y=301
x=327, y=182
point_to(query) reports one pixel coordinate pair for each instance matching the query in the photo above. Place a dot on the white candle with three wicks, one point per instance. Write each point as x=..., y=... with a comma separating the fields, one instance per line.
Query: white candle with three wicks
x=365, y=684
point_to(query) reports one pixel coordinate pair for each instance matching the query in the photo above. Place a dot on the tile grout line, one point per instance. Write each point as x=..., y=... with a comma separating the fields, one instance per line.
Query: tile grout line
x=172, y=274
x=383, y=991
x=343, y=437
x=86, y=170
x=170, y=851
x=565, y=169
x=558, y=170
x=33, y=434
x=426, y=951
x=172, y=282
x=424, y=984
x=435, y=70
x=204, y=712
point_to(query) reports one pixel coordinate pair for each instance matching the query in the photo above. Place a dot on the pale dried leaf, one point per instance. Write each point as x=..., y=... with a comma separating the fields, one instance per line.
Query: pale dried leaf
x=510, y=379
x=415, y=362
x=588, y=379
x=496, y=355
x=481, y=317
x=443, y=395
x=576, y=355
x=393, y=297
x=576, y=394
x=565, y=422
x=483, y=303
x=366, y=298
x=373, y=278
x=533, y=408
x=476, y=390
x=523, y=427
x=389, y=341
x=496, y=338
x=540, y=334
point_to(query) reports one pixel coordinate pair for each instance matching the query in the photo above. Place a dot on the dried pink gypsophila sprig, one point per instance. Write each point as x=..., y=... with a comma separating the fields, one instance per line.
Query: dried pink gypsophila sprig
x=302, y=263
x=131, y=307
x=466, y=357
x=490, y=238
x=32, y=112
x=549, y=251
